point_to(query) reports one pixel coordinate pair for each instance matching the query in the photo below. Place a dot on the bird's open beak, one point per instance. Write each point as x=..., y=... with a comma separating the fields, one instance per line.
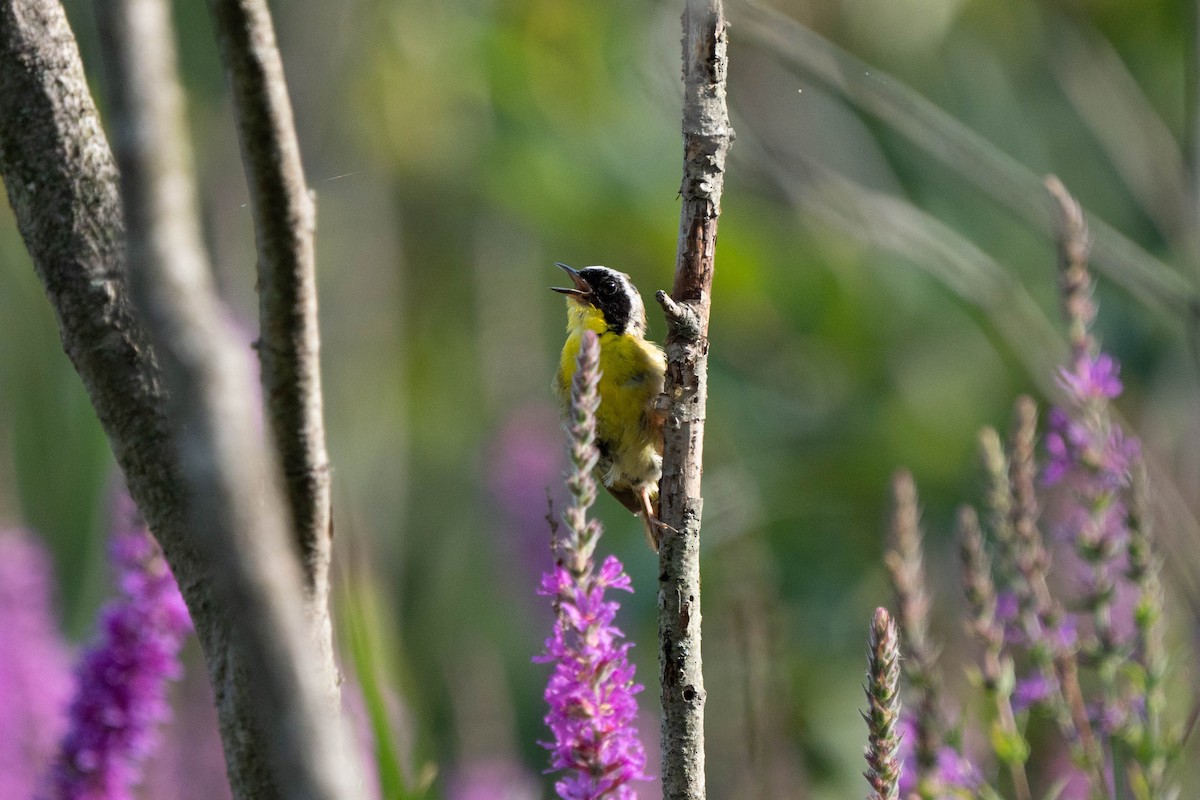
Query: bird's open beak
x=582, y=289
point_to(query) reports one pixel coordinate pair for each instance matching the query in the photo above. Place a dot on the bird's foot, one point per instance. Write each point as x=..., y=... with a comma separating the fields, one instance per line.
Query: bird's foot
x=655, y=528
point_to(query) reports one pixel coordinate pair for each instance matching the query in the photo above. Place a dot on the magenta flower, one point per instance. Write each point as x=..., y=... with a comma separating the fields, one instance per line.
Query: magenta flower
x=1076, y=443
x=591, y=693
x=1065, y=442
x=492, y=779
x=1082, y=444
x=1092, y=458
x=120, y=694
x=188, y=761
x=1092, y=378
x=954, y=775
x=1101, y=519
x=35, y=672
x=1030, y=691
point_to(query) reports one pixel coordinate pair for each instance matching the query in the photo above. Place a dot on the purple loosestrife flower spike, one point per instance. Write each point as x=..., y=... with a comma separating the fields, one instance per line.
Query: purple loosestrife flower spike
x=1012, y=591
x=582, y=534
x=1049, y=634
x=1093, y=459
x=904, y=563
x=951, y=777
x=591, y=692
x=1024, y=606
x=883, y=708
x=1151, y=744
x=980, y=592
x=35, y=672
x=120, y=693
x=1075, y=286
x=1042, y=614
x=1050, y=638
x=997, y=668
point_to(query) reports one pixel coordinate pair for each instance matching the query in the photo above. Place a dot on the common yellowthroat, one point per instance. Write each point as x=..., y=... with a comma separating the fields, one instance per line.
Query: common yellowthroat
x=628, y=425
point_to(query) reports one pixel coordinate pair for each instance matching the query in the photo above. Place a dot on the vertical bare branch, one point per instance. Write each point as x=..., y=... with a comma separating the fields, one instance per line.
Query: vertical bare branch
x=284, y=223
x=289, y=336
x=279, y=715
x=707, y=136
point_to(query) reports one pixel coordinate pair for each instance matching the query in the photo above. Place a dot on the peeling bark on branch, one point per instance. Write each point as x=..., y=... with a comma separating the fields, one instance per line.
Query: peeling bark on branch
x=707, y=136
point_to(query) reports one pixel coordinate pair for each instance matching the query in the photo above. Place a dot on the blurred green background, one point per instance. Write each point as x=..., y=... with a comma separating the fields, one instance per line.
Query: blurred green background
x=875, y=303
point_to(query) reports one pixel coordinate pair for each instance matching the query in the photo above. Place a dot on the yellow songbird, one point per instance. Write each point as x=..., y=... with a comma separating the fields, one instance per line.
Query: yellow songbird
x=628, y=424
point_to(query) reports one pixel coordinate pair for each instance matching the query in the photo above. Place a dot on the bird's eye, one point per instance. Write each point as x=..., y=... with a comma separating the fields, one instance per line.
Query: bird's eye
x=609, y=286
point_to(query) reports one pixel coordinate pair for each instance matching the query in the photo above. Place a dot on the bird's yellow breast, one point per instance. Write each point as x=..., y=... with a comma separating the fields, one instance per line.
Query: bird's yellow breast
x=631, y=378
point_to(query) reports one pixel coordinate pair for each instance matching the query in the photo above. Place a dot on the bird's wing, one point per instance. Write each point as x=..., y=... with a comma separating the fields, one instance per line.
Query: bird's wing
x=627, y=496
x=652, y=423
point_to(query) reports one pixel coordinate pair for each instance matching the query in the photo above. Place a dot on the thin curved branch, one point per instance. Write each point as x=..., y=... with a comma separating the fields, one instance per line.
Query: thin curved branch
x=283, y=738
x=284, y=224
x=289, y=335
x=706, y=137
x=62, y=183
